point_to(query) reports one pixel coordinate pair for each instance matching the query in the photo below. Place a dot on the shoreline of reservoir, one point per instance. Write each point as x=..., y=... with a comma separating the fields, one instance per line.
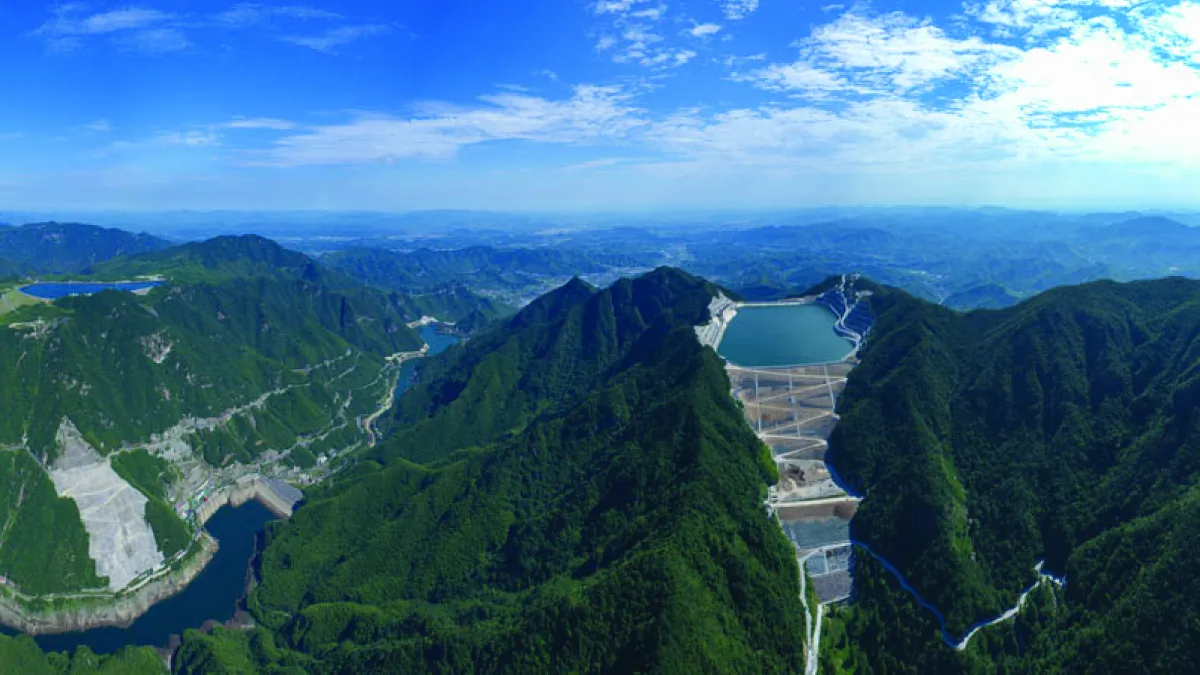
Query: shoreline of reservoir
x=83, y=611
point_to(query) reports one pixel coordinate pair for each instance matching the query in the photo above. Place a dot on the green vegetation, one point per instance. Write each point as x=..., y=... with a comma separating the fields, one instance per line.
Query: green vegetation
x=1064, y=428
x=236, y=653
x=151, y=475
x=21, y=655
x=66, y=247
x=603, y=516
x=144, y=471
x=170, y=532
x=258, y=321
x=43, y=546
x=11, y=299
x=122, y=367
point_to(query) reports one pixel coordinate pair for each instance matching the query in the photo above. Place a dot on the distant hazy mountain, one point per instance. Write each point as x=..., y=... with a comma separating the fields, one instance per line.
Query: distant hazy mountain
x=69, y=247
x=425, y=269
x=988, y=295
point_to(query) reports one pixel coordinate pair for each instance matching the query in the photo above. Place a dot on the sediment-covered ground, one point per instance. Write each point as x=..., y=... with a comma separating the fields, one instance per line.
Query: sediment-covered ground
x=112, y=510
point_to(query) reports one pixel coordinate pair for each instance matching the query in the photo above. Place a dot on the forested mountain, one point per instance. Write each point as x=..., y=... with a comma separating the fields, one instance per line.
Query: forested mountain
x=1064, y=429
x=504, y=273
x=572, y=491
x=9, y=269
x=40, y=248
x=249, y=257
x=111, y=372
x=427, y=269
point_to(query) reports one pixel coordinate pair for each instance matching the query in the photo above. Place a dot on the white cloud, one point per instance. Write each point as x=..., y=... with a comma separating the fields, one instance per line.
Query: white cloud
x=633, y=33
x=330, y=40
x=1174, y=29
x=799, y=76
x=68, y=22
x=650, y=13
x=153, y=41
x=592, y=114
x=98, y=126
x=889, y=93
x=247, y=14
x=259, y=123
x=153, y=31
x=617, y=6
x=601, y=163
x=735, y=10
x=132, y=28
x=192, y=139
x=705, y=29
x=894, y=51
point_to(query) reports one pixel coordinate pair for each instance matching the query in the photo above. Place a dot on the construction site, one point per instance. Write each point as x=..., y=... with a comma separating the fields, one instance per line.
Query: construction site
x=792, y=409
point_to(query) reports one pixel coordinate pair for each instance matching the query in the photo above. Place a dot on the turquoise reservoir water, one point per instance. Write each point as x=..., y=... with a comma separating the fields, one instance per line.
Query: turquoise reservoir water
x=56, y=291
x=785, y=335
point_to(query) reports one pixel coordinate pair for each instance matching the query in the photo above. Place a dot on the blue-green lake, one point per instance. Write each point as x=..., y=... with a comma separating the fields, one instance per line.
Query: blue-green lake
x=785, y=335
x=54, y=291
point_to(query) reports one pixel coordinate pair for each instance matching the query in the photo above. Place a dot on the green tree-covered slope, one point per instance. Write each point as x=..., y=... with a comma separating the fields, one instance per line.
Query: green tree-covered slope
x=21, y=655
x=122, y=367
x=255, y=337
x=605, y=516
x=68, y=247
x=1064, y=428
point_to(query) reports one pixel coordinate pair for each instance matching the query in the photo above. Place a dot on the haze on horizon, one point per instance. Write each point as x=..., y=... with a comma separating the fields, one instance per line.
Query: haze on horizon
x=607, y=105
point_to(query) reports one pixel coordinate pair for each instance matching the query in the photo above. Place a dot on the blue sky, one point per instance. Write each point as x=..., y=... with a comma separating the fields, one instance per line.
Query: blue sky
x=599, y=104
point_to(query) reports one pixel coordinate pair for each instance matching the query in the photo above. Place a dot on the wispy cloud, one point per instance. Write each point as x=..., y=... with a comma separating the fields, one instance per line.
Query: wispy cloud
x=249, y=14
x=153, y=41
x=192, y=139
x=891, y=92
x=330, y=40
x=736, y=10
x=878, y=54
x=154, y=31
x=98, y=126
x=705, y=29
x=259, y=123
x=69, y=21
x=591, y=114
x=137, y=28
x=602, y=163
x=632, y=33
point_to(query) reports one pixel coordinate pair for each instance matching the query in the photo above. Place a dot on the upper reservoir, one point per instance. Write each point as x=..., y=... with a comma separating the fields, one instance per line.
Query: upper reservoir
x=54, y=291
x=783, y=335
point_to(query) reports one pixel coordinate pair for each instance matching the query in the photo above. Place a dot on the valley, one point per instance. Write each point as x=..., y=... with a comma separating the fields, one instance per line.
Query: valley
x=490, y=484
x=786, y=370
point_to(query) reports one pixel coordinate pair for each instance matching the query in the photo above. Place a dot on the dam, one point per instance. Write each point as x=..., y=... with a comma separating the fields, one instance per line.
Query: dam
x=787, y=362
